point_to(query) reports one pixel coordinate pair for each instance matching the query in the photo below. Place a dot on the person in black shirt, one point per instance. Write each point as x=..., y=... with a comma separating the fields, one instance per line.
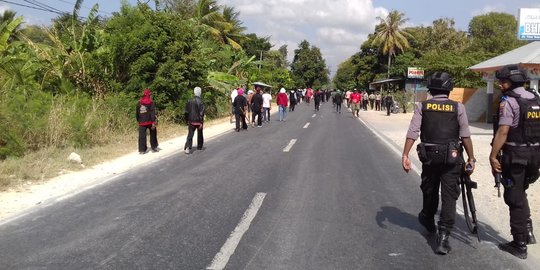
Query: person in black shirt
x=240, y=108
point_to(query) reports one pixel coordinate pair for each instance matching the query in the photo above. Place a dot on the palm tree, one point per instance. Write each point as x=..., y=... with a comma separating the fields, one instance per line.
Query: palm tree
x=224, y=27
x=389, y=36
x=234, y=31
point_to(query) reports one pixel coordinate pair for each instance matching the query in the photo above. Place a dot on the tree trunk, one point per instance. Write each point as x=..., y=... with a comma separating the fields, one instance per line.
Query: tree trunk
x=389, y=58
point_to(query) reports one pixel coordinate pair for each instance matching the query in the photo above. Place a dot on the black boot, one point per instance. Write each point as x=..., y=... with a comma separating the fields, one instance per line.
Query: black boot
x=443, y=244
x=518, y=247
x=428, y=223
x=531, y=240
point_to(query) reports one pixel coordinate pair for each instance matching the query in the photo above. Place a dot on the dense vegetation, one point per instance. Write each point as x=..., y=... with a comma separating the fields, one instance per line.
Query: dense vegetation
x=75, y=82
x=391, y=48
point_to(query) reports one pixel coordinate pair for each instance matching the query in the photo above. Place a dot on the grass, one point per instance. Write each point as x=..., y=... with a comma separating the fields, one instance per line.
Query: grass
x=47, y=163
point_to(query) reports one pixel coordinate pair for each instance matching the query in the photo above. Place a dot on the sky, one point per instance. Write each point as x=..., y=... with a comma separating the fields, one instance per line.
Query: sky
x=337, y=27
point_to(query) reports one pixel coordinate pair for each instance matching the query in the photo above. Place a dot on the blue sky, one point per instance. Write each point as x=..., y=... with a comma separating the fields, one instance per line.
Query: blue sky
x=337, y=27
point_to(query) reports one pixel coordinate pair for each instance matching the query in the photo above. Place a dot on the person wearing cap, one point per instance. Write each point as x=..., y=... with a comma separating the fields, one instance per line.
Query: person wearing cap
x=517, y=135
x=145, y=114
x=194, y=115
x=441, y=124
x=282, y=101
x=240, y=108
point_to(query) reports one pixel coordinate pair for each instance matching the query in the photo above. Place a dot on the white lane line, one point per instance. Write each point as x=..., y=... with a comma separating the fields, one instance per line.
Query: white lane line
x=307, y=125
x=222, y=258
x=289, y=146
x=313, y=116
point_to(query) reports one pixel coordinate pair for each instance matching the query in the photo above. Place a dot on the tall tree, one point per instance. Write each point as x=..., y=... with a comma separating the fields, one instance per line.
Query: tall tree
x=254, y=45
x=389, y=35
x=494, y=33
x=233, y=31
x=308, y=66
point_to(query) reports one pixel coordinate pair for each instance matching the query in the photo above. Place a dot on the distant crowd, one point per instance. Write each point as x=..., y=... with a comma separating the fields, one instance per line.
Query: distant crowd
x=253, y=108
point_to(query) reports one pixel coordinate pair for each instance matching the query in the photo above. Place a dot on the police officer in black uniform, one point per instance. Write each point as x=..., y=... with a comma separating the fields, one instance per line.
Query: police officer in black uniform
x=517, y=134
x=441, y=124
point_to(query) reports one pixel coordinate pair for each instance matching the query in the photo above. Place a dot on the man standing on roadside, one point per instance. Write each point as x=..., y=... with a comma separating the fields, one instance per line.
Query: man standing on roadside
x=194, y=116
x=389, y=102
x=517, y=135
x=371, y=100
x=146, y=117
x=441, y=124
x=378, y=100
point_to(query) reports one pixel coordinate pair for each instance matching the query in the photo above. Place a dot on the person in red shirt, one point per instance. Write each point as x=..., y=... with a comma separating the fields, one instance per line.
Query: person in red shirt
x=282, y=101
x=355, y=98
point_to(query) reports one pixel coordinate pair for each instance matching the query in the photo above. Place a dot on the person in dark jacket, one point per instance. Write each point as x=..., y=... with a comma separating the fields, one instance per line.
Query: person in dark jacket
x=145, y=114
x=256, y=106
x=292, y=100
x=194, y=116
x=240, y=108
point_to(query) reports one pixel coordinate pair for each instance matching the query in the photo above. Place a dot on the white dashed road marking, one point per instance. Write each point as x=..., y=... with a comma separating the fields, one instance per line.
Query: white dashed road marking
x=222, y=258
x=307, y=125
x=289, y=146
x=313, y=116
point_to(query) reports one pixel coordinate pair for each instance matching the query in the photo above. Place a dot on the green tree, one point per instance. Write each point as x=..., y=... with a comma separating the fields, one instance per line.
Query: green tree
x=345, y=77
x=254, y=45
x=308, y=67
x=494, y=33
x=390, y=37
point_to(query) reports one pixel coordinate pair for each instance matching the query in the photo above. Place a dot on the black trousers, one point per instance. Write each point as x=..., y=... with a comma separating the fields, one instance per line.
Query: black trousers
x=191, y=133
x=519, y=169
x=447, y=178
x=142, y=138
x=240, y=119
x=257, y=113
x=338, y=107
x=388, y=106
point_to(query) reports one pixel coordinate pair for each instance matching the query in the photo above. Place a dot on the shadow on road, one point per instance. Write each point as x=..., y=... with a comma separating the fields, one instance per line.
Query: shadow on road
x=460, y=232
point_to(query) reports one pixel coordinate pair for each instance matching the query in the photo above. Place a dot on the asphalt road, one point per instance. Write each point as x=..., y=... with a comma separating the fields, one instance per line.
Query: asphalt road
x=337, y=199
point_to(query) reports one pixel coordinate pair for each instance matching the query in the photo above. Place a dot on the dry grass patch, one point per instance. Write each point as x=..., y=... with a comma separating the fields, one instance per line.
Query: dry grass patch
x=47, y=163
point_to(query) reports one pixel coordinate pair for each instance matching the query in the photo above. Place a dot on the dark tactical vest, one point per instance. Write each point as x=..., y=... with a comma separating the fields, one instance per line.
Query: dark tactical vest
x=439, y=122
x=528, y=129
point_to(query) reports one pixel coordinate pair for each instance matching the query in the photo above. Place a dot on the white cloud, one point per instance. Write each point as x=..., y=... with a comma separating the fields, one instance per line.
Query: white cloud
x=337, y=27
x=4, y=8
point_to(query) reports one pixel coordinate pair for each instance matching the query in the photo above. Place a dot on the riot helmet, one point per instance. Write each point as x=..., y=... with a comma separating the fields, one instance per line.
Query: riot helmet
x=513, y=73
x=440, y=81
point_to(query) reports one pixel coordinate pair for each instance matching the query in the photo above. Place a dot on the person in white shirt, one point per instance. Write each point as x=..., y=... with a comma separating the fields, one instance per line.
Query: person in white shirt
x=234, y=93
x=267, y=105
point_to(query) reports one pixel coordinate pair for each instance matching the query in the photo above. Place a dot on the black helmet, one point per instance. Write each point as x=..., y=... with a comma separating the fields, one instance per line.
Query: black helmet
x=440, y=81
x=513, y=73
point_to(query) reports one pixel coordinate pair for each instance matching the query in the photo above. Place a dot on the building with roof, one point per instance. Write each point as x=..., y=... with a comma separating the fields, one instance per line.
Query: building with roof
x=527, y=57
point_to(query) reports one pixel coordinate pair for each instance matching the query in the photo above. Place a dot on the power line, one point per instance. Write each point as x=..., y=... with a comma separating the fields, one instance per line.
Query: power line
x=33, y=7
x=41, y=5
x=71, y=3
